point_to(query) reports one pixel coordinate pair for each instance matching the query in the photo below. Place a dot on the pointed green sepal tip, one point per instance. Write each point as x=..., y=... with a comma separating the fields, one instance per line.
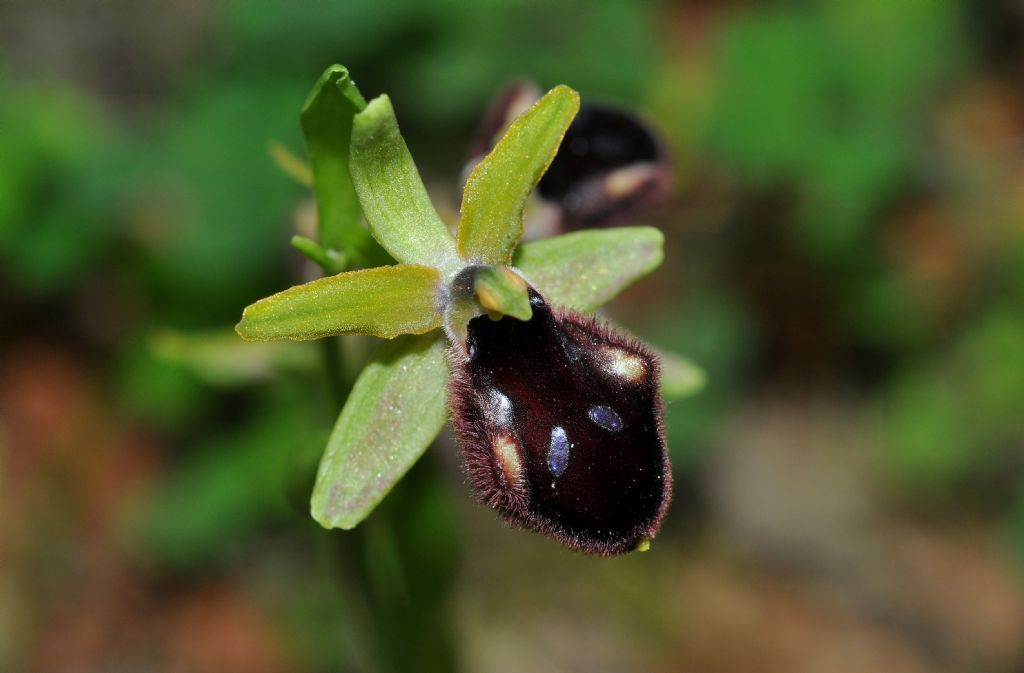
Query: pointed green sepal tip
x=498, y=187
x=501, y=291
x=385, y=301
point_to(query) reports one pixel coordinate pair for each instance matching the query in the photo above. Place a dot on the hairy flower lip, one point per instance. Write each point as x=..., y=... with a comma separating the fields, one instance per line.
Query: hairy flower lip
x=504, y=460
x=397, y=404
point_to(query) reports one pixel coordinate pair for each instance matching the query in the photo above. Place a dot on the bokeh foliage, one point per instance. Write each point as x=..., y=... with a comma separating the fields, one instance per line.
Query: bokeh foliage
x=846, y=224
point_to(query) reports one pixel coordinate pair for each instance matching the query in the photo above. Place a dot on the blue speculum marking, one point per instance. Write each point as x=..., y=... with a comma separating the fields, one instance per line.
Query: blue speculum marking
x=558, y=452
x=606, y=417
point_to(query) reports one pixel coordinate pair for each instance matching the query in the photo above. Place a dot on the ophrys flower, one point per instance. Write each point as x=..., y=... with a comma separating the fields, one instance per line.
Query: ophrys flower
x=558, y=416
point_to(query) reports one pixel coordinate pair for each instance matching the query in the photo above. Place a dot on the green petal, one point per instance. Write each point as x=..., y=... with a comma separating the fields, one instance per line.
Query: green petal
x=584, y=269
x=385, y=301
x=396, y=409
x=497, y=189
x=327, y=126
x=392, y=195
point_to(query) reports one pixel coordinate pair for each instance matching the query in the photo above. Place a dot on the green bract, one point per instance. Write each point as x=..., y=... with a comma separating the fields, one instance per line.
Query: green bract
x=398, y=403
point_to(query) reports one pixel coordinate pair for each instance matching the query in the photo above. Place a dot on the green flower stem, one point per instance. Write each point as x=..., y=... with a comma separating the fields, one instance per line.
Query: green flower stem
x=334, y=370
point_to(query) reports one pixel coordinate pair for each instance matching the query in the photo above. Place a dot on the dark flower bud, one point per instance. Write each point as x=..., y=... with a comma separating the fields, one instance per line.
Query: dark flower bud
x=559, y=420
x=610, y=168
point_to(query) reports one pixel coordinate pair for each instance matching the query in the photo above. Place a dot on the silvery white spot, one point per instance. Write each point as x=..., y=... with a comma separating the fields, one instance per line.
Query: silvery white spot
x=501, y=407
x=606, y=417
x=558, y=451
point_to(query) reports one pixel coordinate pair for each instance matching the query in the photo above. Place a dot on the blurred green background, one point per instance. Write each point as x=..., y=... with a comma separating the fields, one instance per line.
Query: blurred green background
x=845, y=259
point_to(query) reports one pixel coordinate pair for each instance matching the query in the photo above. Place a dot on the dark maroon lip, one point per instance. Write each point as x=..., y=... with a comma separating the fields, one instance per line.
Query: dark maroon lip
x=560, y=425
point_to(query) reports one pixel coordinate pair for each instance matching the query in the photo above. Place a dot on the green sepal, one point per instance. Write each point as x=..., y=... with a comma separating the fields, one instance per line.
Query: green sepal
x=397, y=407
x=585, y=269
x=391, y=192
x=327, y=127
x=384, y=301
x=498, y=187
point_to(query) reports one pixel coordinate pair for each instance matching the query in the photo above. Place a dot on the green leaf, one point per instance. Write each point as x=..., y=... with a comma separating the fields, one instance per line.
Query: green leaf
x=585, y=269
x=394, y=200
x=497, y=189
x=327, y=126
x=385, y=301
x=396, y=409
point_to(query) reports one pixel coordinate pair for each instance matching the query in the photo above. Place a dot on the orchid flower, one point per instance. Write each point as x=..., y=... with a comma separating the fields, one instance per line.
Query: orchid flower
x=557, y=415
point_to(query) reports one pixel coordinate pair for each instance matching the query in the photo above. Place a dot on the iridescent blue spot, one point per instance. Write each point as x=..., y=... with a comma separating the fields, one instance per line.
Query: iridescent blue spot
x=606, y=418
x=558, y=453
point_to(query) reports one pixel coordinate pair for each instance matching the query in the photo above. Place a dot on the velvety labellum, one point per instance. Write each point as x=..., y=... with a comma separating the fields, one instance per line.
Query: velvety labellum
x=560, y=424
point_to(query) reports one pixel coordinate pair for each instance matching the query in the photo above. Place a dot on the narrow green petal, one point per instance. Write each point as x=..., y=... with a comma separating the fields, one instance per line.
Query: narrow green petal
x=327, y=127
x=394, y=200
x=396, y=409
x=584, y=269
x=385, y=301
x=497, y=189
